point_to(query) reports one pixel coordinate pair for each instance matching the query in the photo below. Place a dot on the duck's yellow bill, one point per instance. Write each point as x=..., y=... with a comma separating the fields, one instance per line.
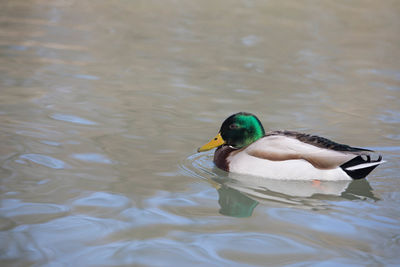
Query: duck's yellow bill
x=217, y=141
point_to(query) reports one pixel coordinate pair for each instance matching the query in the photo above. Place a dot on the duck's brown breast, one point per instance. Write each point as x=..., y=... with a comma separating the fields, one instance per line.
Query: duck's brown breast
x=221, y=155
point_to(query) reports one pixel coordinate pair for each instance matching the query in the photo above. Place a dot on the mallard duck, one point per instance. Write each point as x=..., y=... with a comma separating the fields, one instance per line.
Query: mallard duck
x=245, y=148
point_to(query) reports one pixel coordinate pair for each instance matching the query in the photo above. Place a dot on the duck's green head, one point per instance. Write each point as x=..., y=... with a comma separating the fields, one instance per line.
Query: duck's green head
x=239, y=130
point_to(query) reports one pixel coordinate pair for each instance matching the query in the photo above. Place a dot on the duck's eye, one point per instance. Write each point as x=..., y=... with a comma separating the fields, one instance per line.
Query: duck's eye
x=233, y=126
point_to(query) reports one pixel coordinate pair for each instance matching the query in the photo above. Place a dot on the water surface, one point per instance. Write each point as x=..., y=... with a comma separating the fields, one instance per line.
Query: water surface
x=104, y=103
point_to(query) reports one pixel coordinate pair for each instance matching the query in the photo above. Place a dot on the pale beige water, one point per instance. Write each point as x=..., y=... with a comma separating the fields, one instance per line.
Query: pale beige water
x=104, y=103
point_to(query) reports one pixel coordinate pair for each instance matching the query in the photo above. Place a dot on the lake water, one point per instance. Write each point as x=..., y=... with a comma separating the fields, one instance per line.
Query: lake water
x=104, y=103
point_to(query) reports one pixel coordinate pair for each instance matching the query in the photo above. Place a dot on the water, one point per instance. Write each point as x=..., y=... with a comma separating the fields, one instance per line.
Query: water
x=104, y=103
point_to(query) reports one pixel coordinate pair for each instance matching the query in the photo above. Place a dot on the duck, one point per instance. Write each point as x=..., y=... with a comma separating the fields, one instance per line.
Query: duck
x=243, y=147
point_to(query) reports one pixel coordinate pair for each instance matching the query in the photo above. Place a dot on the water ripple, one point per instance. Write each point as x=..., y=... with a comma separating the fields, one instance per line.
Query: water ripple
x=31, y=212
x=92, y=157
x=50, y=240
x=198, y=165
x=72, y=118
x=103, y=200
x=86, y=77
x=45, y=161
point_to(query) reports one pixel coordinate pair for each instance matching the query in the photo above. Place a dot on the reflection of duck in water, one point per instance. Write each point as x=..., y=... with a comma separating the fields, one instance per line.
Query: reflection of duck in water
x=234, y=203
x=245, y=148
x=257, y=186
x=240, y=195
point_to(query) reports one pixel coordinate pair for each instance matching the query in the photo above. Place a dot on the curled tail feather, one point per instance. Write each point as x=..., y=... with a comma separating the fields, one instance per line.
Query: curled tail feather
x=359, y=167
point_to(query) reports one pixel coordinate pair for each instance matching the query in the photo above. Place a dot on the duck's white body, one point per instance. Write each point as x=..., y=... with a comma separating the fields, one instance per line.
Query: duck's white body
x=287, y=158
x=297, y=169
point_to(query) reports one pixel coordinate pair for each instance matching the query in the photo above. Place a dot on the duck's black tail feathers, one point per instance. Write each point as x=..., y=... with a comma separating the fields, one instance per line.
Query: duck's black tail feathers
x=360, y=166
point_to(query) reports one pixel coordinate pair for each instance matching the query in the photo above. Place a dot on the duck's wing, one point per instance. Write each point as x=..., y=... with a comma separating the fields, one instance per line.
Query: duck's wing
x=322, y=153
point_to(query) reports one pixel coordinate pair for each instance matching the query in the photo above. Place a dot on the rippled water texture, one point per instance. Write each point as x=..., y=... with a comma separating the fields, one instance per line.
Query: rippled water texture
x=104, y=103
